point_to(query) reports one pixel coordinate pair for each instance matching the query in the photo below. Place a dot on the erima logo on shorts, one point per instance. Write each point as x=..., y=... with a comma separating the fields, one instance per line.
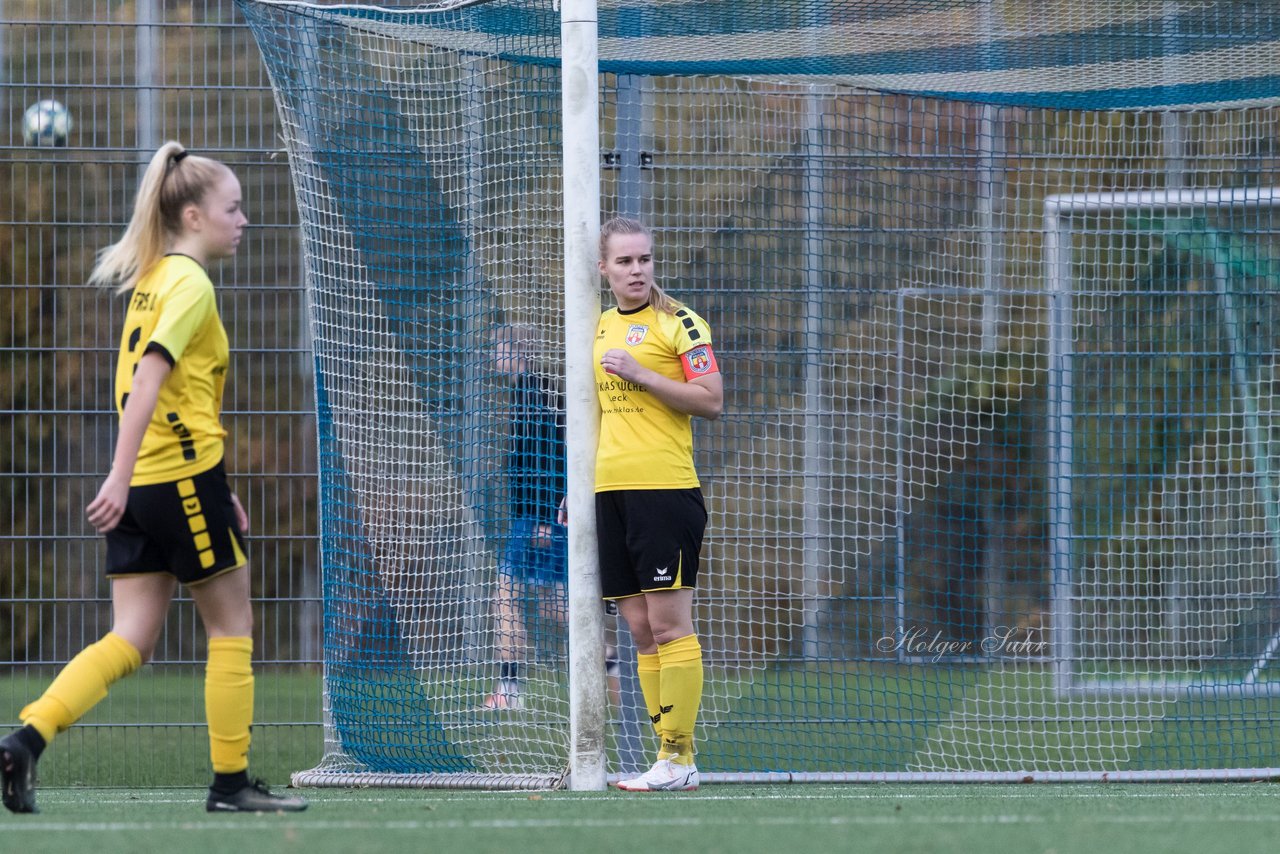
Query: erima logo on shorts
x=661, y=574
x=636, y=334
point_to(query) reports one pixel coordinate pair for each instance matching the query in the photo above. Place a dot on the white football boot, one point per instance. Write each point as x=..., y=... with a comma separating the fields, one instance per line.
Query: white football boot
x=664, y=776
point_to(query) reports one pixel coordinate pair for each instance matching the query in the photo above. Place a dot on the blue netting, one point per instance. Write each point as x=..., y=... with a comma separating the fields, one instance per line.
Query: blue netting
x=1074, y=56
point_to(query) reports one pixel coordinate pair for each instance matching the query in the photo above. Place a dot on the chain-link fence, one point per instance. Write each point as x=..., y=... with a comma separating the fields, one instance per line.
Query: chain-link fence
x=133, y=74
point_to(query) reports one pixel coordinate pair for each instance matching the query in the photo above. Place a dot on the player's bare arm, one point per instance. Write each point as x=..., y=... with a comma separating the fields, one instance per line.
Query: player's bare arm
x=107, y=507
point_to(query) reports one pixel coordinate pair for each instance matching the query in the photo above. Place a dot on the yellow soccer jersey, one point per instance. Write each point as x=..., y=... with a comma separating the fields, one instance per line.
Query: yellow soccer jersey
x=172, y=311
x=645, y=444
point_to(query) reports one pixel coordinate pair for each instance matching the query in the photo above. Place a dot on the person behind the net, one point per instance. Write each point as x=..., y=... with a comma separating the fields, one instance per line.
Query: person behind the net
x=166, y=509
x=534, y=564
x=534, y=559
x=655, y=370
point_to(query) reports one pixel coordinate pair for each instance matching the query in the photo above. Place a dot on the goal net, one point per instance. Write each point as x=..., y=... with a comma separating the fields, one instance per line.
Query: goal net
x=992, y=284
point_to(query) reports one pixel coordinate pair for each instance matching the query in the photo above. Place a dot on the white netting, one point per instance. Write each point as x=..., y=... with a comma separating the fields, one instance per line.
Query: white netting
x=970, y=516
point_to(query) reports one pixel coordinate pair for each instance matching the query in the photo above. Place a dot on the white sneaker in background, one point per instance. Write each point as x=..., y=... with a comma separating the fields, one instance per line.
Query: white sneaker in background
x=506, y=698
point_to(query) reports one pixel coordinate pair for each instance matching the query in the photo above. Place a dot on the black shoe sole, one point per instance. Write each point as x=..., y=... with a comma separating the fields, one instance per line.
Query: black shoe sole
x=19, y=793
x=222, y=806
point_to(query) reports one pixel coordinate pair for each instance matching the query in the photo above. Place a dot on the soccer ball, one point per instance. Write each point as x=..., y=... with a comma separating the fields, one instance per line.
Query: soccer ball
x=46, y=123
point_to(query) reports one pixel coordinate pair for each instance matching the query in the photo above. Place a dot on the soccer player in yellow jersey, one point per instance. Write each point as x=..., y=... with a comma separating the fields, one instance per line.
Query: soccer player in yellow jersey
x=655, y=371
x=167, y=512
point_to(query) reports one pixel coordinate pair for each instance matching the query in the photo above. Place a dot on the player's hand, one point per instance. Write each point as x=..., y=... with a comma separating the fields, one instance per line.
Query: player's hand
x=623, y=364
x=562, y=512
x=542, y=537
x=105, y=510
x=242, y=518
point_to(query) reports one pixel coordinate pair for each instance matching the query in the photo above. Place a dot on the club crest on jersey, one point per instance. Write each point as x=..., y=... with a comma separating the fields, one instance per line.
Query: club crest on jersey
x=699, y=361
x=636, y=334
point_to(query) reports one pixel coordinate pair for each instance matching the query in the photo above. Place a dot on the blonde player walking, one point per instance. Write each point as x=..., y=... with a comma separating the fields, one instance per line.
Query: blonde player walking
x=166, y=509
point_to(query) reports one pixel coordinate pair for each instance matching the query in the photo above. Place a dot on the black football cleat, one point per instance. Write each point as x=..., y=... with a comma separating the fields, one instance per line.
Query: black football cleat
x=18, y=774
x=255, y=797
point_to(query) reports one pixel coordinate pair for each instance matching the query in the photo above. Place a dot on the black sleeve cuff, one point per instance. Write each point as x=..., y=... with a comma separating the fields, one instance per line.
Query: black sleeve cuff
x=153, y=347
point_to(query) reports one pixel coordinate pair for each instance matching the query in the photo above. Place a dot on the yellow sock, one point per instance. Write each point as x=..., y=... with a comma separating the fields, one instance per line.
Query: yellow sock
x=649, y=672
x=681, y=695
x=81, y=685
x=228, y=702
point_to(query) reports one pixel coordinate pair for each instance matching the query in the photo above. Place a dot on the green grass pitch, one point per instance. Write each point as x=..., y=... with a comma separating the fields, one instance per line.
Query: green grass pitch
x=730, y=819
x=150, y=730
x=156, y=803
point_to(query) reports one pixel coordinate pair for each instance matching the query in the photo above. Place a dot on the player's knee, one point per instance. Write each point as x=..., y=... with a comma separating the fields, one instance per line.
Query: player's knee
x=235, y=623
x=642, y=635
x=142, y=637
x=146, y=649
x=667, y=634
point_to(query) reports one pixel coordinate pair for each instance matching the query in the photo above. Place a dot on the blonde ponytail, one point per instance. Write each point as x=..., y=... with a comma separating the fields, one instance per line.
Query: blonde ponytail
x=658, y=298
x=173, y=179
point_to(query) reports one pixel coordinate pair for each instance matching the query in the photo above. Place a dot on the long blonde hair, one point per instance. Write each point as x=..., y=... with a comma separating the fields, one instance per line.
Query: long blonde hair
x=173, y=180
x=658, y=298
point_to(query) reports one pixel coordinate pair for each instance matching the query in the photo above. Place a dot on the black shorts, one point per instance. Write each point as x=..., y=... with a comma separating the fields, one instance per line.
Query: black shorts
x=648, y=540
x=186, y=528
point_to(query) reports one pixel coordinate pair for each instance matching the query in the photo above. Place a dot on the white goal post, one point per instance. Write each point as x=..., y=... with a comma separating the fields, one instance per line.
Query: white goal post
x=581, y=92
